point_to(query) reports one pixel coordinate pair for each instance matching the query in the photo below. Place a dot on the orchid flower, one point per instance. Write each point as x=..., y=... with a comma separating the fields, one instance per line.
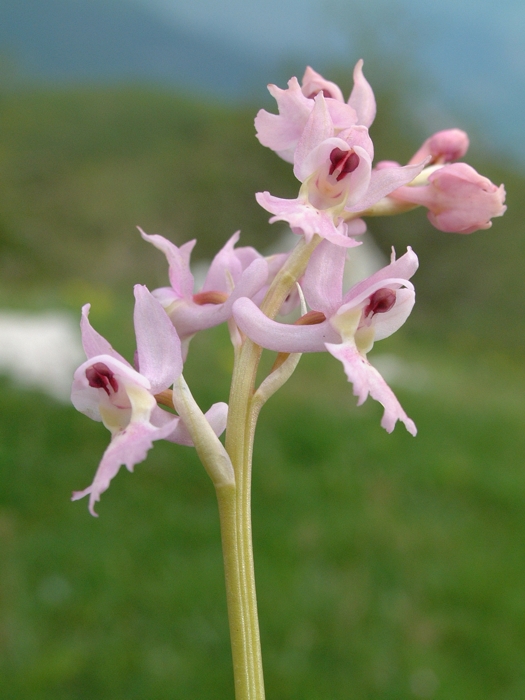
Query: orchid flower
x=282, y=132
x=337, y=180
x=344, y=325
x=107, y=388
x=233, y=273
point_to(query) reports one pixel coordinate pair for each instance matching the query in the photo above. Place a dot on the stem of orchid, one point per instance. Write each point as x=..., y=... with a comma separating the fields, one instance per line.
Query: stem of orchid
x=235, y=502
x=288, y=275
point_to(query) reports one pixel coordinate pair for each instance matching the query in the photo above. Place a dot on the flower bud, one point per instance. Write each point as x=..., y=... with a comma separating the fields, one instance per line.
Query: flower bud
x=443, y=147
x=458, y=198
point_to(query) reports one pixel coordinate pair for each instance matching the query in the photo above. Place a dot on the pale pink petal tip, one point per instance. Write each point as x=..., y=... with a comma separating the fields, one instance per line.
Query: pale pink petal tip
x=367, y=381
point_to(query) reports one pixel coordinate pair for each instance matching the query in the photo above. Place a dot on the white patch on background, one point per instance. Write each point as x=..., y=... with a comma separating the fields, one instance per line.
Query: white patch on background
x=40, y=351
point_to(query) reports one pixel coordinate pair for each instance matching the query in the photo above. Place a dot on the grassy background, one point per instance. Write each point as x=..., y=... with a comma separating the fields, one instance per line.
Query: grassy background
x=388, y=567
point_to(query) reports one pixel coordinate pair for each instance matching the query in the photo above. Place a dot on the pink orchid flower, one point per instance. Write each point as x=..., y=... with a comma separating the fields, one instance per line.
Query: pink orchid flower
x=281, y=132
x=337, y=180
x=107, y=388
x=233, y=273
x=458, y=198
x=344, y=325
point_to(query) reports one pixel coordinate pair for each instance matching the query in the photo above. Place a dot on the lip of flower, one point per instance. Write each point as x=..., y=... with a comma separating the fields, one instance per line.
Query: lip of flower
x=329, y=187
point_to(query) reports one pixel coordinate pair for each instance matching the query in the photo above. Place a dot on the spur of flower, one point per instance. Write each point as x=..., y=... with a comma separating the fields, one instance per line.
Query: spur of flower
x=108, y=388
x=345, y=325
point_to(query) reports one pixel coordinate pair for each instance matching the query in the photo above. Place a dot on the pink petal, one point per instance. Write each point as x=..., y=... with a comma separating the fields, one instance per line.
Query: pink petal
x=317, y=129
x=128, y=448
x=313, y=83
x=362, y=97
x=282, y=131
x=281, y=337
x=92, y=342
x=181, y=278
x=402, y=269
x=158, y=345
x=223, y=263
x=385, y=181
x=217, y=417
x=318, y=156
x=367, y=380
x=388, y=323
x=341, y=113
x=358, y=182
x=355, y=227
x=305, y=219
x=86, y=398
x=322, y=283
x=188, y=318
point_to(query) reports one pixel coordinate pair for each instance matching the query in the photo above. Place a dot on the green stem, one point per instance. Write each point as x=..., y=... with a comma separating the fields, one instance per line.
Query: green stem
x=235, y=501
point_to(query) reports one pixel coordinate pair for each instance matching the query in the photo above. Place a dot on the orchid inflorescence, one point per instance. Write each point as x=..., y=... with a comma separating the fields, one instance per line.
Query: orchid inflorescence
x=327, y=140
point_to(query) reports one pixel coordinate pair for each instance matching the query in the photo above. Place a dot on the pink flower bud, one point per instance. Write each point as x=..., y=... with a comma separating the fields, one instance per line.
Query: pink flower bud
x=458, y=198
x=443, y=147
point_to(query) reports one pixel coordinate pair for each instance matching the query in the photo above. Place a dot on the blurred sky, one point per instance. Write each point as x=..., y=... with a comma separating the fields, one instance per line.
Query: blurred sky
x=462, y=62
x=470, y=54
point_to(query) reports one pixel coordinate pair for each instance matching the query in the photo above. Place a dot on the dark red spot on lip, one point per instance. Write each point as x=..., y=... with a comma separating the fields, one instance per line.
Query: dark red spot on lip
x=343, y=161
x=380, y=302
x=100, y=376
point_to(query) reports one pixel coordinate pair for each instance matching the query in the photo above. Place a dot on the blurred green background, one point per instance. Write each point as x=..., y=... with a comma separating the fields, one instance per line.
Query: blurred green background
x=388, y=567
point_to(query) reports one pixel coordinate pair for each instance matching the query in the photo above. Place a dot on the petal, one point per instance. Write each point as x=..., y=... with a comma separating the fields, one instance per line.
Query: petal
x=305, y=219
x=224, y=265
x=362, y=97
x=367, y=380
x=128, y=448
x=323, y=280
x=401, y=269
x=178, y=259
x=188, y=318
x=385, y=181
x=358, y=181
x=93, y=342
x=158, y=345
x=386, y=324
x=281, y=337
x=87, y=399
x=282, y=131
x=342, y=114
x=314, y=83
x=317, y=129
x=217, y=417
